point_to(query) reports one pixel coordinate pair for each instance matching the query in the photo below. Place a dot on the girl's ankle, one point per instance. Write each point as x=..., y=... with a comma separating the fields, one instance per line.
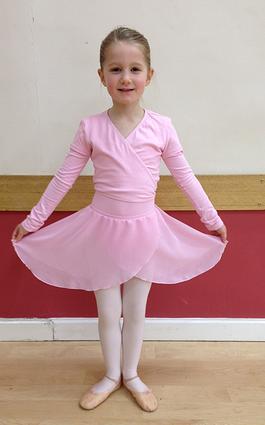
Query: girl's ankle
x=113, y=376
x=129, y=375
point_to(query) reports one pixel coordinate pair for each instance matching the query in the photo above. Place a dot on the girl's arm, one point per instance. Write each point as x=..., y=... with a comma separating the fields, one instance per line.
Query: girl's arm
x=183, y=175
x=78, y=155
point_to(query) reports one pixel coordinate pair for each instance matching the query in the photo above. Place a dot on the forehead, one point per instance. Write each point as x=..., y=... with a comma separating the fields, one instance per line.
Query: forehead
x=124, y=52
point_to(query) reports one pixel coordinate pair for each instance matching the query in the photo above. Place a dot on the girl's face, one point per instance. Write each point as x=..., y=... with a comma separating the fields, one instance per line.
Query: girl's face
x=125, y=73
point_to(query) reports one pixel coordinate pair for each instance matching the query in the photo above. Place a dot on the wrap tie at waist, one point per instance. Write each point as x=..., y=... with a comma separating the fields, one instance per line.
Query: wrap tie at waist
x=122, y=209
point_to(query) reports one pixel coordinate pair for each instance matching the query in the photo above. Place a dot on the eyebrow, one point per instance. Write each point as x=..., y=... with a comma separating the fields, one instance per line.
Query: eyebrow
x=134, y=63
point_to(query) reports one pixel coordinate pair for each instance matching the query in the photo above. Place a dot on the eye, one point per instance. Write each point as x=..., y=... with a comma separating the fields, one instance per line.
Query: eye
x=136, y=69
x=115, y=69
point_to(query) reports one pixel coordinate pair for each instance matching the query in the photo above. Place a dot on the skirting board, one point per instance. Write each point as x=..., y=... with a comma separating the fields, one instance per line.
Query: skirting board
x=155, y=329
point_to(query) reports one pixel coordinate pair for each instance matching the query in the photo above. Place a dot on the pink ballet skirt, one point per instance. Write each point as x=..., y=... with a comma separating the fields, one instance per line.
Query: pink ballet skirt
x=119, y=235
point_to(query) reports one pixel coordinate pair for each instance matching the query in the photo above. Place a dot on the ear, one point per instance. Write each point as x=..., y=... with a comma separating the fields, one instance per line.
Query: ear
x=149, y=76
x=101, y=76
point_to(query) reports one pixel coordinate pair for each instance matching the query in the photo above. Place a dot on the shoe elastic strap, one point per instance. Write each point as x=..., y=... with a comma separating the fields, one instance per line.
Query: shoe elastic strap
x=112, y=379
x=126, y=380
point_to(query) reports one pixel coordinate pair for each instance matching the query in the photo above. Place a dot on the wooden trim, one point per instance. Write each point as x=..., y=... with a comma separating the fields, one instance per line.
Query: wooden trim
x=155, y=329
x=226, y=192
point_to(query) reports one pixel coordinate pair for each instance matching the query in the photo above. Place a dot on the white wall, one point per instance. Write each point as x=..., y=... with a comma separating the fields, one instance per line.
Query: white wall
x=208, y=57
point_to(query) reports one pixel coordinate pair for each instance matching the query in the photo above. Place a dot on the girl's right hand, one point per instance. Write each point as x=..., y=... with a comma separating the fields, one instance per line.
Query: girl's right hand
x=18, y=233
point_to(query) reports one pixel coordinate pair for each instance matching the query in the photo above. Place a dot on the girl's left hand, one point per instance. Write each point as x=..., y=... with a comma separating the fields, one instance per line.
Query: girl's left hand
x=222, y=232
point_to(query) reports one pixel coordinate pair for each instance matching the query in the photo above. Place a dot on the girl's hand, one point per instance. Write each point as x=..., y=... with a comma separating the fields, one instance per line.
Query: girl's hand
x=18, y=233
x=222, y=232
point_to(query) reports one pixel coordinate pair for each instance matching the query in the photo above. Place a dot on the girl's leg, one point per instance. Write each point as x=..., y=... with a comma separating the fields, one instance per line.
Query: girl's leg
x=109, y=307
x=135, y=294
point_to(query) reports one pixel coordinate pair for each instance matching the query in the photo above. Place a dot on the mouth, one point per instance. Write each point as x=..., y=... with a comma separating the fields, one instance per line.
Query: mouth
x=125, y=89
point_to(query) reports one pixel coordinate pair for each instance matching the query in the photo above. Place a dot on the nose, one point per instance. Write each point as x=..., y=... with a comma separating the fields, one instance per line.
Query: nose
x=125, y=78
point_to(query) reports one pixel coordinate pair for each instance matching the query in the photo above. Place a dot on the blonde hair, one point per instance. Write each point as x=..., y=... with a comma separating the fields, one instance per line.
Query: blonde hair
x=129, y=35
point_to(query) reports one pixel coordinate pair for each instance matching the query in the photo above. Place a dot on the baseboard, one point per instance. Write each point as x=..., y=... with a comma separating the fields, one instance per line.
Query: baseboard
x=156, y=329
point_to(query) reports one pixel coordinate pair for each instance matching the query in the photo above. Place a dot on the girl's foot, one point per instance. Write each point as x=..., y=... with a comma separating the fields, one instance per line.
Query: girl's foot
x=91, y=399
x=146, y=399
x=104, y=385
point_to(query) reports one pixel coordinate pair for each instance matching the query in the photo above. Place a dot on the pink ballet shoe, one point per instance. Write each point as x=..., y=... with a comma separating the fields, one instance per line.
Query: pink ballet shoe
x=90, y=400
x=146, y=399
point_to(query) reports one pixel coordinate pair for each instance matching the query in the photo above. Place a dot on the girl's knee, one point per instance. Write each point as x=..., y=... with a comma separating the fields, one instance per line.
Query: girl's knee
x=109, y=316
x=135, y=295
x=134, y=312
x=109, y=304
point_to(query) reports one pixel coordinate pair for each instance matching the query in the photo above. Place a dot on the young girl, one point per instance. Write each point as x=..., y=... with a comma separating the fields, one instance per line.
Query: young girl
x=122, y=237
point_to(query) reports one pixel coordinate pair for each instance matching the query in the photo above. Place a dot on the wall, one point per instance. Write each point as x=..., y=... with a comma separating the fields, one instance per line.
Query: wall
x=208, y=60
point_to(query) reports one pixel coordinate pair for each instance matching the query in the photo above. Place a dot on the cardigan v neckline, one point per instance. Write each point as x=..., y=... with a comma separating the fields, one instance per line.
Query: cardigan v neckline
x=132, y=132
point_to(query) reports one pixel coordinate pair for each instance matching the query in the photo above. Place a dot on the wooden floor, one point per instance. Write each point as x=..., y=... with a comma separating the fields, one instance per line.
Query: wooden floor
x=204, y=383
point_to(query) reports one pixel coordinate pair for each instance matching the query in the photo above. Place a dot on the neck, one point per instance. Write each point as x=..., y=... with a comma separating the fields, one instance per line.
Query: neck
x=127, y=111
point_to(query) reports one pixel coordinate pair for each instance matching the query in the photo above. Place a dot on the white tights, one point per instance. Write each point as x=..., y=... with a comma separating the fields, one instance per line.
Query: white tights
x=121, y=346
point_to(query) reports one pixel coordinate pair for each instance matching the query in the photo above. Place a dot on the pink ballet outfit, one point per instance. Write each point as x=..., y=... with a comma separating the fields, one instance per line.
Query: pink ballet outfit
x=122, y=233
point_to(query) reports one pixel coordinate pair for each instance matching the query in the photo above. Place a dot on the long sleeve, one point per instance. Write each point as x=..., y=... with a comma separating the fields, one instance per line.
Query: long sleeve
x=78, y=155
x=183, y=175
